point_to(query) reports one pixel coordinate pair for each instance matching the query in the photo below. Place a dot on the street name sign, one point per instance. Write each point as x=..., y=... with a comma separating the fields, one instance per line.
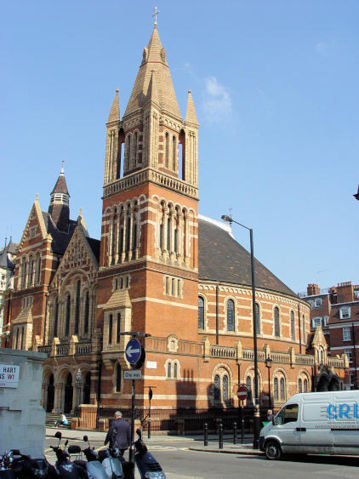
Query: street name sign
x=132, y=374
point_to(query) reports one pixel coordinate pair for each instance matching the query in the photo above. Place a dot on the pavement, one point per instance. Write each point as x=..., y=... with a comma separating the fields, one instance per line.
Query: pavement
x=192, y=442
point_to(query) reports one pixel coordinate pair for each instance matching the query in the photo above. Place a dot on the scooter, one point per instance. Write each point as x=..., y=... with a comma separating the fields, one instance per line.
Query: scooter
x=93, y=467
x=146, y=464
x=63, y=466
x=111, y=460
x=6, y=464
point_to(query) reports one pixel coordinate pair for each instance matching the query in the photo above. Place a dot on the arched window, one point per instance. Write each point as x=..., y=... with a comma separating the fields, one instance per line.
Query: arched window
x=127, y=151
x=230, y=315
x=282, y=389
x=56, y=318
x=276, y=322
x=276, y=390
x=200, y=312
x=305, y=382
x=174, y=153
x=216, y=388
x=175, y=370
x=23, y=273
x=87, y=388
x=22, y=337
x=110, y=325
x=225, y=387
x=292, y=326
x=68, y=312
x=118, y=329
x=169, y=233
x=118, y=377
x=38, y=269
x=167, y=149
x=134, y=150
x=87, y=313
x=30, y=279
x=258, y=320
x=303, y=322
x=300, y=386
x=249, y=389
x=169, y=369
x=77, y=306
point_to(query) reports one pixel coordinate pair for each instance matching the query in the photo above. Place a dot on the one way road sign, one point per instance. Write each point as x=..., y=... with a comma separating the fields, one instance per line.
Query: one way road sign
x=133, y=351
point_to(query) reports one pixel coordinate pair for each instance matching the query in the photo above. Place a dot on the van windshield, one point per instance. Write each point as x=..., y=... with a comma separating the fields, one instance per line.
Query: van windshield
x=288, y=414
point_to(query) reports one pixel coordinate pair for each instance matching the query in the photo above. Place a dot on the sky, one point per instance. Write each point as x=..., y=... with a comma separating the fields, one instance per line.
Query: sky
x=275, y=86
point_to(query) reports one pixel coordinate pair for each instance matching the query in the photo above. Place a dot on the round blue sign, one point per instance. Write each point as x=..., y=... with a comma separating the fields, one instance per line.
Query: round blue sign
x=133, y=351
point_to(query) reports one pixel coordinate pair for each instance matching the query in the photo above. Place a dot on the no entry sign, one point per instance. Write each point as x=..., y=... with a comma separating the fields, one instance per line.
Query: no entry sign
x=242, y=392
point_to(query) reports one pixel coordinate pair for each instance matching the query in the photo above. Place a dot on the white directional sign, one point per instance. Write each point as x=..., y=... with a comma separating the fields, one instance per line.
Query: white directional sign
x=132, y=374
x=133, y=351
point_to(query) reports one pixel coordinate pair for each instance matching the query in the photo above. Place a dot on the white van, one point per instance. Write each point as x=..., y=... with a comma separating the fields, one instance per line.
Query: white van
x=314, y=423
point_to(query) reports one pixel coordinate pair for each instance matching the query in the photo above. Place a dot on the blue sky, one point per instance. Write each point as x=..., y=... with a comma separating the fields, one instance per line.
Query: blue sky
x=275, y=85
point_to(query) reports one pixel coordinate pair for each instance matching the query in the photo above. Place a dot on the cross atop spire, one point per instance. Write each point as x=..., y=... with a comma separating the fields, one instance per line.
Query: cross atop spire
x=155, y=16
x=62, y=172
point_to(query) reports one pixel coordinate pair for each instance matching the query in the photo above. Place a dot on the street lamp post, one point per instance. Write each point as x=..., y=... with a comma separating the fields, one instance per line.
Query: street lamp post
x=268, y=363
x=256, y=421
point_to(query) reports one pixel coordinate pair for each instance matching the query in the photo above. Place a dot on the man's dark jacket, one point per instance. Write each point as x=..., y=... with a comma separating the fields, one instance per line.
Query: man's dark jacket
x=119, y=434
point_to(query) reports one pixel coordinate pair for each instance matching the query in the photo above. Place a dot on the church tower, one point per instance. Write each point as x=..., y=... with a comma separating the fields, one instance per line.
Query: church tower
x=148, y=276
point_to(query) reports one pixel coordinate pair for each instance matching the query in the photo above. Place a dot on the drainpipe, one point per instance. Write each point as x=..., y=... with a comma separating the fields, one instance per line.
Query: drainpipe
x=99, y=374
x=45, y=319
x=300, y=331
x=354, y=357
x=217, y=313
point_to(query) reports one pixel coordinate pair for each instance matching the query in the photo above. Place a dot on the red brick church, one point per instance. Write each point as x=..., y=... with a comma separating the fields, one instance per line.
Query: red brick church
x=160, y=269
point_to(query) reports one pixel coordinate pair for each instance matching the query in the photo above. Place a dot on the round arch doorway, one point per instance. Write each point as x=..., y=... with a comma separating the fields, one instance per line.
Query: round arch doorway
x=68, y=394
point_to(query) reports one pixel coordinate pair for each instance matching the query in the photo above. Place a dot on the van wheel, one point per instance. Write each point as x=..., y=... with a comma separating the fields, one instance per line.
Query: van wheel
x=273, y=450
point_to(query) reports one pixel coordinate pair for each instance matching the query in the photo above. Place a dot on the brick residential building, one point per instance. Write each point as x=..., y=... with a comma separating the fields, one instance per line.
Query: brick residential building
x=336, y=311
x=160, y=269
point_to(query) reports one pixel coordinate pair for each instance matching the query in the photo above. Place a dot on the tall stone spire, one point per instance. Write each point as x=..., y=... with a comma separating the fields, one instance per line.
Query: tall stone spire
x=191, y=116
x=115, y=109
x=59, y=203
x=154, y=64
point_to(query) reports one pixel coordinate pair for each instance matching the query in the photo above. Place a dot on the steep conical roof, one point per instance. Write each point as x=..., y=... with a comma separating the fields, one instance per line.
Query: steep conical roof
x=60, y=186
x=154, y=63
x=191, y=116
x=115, y=109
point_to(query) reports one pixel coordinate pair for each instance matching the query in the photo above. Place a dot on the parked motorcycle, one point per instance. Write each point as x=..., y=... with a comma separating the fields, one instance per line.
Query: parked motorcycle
x=147, y=465
x=6, y=464
x=63, y=466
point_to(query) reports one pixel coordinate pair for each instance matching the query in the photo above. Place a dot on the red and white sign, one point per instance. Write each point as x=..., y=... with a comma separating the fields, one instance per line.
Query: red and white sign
x=242, y=392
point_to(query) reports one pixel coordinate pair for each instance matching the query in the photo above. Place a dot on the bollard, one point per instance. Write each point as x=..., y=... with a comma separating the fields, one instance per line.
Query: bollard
x=234, y=433
x=205, y=434
x=220, y=436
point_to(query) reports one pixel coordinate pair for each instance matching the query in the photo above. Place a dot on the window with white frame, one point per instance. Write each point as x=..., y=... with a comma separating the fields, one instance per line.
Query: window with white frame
x=316, y=322
x=349, y=353
x=325, y=320
x=318, y=302
x=346, y=334
x=344, y=312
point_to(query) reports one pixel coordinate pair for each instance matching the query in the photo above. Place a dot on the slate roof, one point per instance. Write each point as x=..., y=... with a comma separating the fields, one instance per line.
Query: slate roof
x=60, y=186
x=223, y=259
x=5, y=261
x=60, y=238
x=95, y=247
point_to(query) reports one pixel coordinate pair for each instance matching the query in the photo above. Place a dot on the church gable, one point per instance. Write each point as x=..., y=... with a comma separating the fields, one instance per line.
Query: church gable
x=79, y=256
x=35, y=229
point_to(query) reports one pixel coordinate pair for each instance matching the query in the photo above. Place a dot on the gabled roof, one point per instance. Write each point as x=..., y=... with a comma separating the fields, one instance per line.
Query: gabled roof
x=60, y=238
x=223, y=259
x=154, y=64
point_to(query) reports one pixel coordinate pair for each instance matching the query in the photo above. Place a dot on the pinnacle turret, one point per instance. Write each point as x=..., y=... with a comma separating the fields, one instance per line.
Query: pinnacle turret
x=59, y=203
x=115, y=109
x=191, y=116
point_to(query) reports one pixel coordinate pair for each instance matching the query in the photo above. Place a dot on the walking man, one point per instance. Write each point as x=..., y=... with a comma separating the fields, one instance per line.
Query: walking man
x=119, y=434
